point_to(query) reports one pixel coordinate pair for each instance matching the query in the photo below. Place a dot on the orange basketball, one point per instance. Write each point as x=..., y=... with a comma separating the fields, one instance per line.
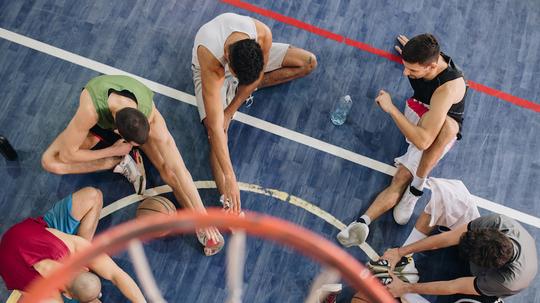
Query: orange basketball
x=155, y=205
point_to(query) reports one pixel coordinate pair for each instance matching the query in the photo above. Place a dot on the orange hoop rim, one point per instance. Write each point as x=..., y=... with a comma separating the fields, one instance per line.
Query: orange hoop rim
x=264, y=226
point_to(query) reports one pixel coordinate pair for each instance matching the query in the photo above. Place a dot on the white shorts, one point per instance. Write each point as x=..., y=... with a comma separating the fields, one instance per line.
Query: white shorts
x=411, y=159
x=228, y=90
x=451, y=204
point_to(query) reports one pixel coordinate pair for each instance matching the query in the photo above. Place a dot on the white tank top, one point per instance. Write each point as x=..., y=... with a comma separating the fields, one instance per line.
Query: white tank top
x=213, y=34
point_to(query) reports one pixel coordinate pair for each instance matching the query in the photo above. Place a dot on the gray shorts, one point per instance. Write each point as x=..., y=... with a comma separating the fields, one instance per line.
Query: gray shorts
x=228, y=90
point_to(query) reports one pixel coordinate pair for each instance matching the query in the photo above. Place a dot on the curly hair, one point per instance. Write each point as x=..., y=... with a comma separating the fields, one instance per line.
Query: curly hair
x=246, y=60
x=423, y=49
x=488, y=247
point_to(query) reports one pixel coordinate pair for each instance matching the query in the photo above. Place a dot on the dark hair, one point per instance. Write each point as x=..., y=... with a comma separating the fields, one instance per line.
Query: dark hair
x=246, y=60
x=132, y=125
x=86, y=287
x=488, y=248
x=423, y=49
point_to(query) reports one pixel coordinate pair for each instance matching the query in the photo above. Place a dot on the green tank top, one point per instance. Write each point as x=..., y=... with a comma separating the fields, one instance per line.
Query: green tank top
x=99, y=92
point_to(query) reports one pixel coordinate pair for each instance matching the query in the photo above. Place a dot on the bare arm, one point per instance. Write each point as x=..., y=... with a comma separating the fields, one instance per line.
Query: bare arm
x=446, y=239
x=423, y=135
x=106, y=268
x=244, y=91
x=212, y=80
x=463, y=285
x=76, y=132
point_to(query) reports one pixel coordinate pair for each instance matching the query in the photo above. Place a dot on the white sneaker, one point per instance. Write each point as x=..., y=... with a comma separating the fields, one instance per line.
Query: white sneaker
x=328, y=293
x=133, y=171
x=354, y=234
x=404, y=209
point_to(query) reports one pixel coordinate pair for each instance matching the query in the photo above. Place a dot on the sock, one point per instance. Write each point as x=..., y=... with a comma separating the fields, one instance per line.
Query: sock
x=414, y=236
x=418, y=183
x=364, y=219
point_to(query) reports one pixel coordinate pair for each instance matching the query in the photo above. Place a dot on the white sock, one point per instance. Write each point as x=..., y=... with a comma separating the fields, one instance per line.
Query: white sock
x=366, y=219
x=414, y=236
x=418, y=183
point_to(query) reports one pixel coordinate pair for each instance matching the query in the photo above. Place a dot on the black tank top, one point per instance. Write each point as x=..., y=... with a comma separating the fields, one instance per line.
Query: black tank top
x=423, y=90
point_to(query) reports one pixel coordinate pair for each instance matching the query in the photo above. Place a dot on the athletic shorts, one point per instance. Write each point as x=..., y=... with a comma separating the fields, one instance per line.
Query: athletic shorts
x=444, y=265
x=228, y=90
x=414, y=110
x=107, y=136
x=59, y=216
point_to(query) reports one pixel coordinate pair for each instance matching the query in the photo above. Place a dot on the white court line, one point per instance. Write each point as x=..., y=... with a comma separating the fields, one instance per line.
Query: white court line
x=252, y=121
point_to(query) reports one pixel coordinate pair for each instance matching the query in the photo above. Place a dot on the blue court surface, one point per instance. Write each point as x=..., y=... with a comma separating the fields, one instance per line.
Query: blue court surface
x=496, y=43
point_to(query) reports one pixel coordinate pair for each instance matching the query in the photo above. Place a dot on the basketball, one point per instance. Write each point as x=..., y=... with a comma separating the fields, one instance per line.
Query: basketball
x=155, y=205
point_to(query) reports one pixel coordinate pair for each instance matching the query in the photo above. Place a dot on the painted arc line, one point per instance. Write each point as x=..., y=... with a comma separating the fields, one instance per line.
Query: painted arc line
x=250, y=120
x=274, y=193
x=527, y=104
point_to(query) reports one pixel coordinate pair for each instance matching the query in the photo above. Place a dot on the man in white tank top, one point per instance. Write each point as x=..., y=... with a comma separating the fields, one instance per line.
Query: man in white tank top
x=232, y=56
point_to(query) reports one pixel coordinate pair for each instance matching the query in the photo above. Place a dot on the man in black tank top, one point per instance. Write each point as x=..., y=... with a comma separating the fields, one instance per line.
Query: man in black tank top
x=431, y=124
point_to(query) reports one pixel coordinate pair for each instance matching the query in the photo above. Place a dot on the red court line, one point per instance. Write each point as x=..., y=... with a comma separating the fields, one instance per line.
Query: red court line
x=370, y=49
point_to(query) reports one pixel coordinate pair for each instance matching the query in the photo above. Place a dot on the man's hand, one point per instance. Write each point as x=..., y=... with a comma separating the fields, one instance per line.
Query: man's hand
x=397, y=288
x=232, y=194
x=384, y=101
x=393, y=256
x=402, y=40
x=121, y=147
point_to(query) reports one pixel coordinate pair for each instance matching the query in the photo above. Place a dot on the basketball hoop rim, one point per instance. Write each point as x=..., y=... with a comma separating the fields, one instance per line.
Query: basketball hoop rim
x=264, y=226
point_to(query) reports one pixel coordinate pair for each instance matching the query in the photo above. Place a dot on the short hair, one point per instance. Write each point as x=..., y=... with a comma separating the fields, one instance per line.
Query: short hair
x=423, y=49
x=246, y=60
x=132, y=125
x=86, y=287
x=488, y=247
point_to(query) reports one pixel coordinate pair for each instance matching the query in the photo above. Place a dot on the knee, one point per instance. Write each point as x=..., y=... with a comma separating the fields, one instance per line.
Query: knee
x=449, y=129
x=94, y=196
x=402, y=177
x=49, y=164
x=310, y=64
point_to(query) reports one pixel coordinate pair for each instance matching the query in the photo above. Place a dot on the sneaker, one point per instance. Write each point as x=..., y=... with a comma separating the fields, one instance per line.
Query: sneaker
x=378, y=266
x=404, y=209
x=406, y=266
x=210, y=246
x=328, y=293
x=354, y=234
x=133, y=171
x=385, y=278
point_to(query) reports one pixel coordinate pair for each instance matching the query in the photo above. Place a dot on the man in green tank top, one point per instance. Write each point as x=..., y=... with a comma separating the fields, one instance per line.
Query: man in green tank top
x=119, y=113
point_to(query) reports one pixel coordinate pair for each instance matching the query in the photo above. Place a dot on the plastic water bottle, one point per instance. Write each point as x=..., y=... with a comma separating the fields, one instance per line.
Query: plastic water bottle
x=341, y=110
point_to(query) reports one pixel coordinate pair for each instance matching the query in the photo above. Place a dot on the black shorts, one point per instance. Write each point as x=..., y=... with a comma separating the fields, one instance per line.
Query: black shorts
x=107, y=136
x=443, y=265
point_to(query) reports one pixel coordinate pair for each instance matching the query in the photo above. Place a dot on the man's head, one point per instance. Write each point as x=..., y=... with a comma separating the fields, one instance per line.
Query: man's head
x=86, y=287
x=420, y=56
x=132, y=125
x=246, y=60
x=488, y=248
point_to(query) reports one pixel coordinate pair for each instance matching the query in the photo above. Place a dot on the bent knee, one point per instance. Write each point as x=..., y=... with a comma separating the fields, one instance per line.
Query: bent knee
x=93, y=195
x=310, y=64
x=402, y=178
x=449, y=129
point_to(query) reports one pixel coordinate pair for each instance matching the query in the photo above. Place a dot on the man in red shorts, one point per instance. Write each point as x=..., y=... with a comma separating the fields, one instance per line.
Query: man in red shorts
x=35, y=246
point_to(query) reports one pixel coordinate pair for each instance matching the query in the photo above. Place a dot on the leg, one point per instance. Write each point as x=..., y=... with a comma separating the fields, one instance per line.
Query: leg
x=86, y=208
x=357, y=232
x=422, y=223
x=51, y=161
x=434, y=153
x=297, y=63
x=389, y=197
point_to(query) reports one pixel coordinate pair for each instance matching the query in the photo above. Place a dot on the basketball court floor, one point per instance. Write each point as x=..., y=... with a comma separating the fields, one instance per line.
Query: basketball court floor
x=292, y=161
